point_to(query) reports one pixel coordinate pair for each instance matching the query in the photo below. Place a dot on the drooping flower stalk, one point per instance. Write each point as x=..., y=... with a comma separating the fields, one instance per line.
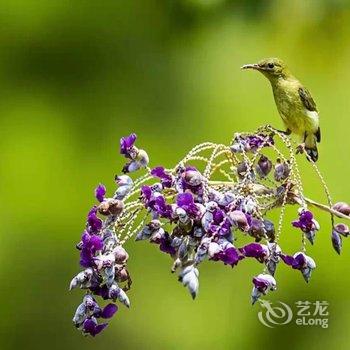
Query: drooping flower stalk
x=204, y=208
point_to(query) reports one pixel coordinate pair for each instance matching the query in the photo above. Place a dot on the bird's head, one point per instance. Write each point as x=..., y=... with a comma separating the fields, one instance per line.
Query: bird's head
x=271, y=67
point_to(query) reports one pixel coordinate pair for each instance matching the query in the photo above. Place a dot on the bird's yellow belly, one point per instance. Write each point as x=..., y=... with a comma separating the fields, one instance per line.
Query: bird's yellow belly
x=298, y=119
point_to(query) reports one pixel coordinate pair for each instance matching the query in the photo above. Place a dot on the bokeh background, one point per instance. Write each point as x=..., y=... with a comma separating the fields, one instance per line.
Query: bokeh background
x=77, y=75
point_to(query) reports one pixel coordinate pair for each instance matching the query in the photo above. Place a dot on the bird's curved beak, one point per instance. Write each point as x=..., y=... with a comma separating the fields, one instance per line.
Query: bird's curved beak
x=251, y=66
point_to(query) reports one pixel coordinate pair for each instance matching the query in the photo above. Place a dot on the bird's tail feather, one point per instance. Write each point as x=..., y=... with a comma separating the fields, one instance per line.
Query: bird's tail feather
x=311, y=147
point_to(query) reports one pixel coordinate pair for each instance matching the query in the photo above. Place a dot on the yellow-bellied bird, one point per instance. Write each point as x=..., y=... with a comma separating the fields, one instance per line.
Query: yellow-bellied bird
x=294, y=103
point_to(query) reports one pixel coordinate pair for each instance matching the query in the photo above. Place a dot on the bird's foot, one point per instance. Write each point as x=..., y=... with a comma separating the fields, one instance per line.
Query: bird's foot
x=284, y=132
x=300, y=148
x=277, y=131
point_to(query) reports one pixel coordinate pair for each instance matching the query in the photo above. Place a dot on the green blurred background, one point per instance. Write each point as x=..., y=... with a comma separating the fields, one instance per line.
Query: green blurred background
x=77, y=75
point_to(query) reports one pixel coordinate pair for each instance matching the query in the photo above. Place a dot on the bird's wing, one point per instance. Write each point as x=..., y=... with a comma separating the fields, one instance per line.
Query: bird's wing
x=307, y=99
x=310, y=105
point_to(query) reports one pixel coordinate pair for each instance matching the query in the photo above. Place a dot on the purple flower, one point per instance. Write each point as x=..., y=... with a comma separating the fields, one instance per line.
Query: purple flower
x=109, y=310
x=162, y=208
x=88, y=312
x=166, y=179
x=251, y=143
x=94, y=223
x=307, y=224
x=255, y=250
x=126, y=144
x=90, y=244
x=201, y=211
x=91, y=327
x=186, y=202
x=300, y=261
x=220, y=224
x=146, y=193
x=100, y=192
x=224, y=252
x=229, y=256
x=149, y=197
x=102, y=291
x=262, y=284
x=165, y=244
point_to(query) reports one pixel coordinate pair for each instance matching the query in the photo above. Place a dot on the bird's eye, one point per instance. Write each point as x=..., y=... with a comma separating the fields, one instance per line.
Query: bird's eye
x=270, y=65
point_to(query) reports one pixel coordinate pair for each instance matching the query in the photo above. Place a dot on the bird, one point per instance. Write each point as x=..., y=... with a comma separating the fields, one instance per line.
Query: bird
x=294, y=103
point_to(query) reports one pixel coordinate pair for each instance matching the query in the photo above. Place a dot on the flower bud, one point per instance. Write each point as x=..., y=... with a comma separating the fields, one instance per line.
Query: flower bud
x=264, y=166
x=139, y=160
x=237, y=147
x=249, y=204
x=282, y=170
x=342, y=207
x=239, y=219
x=189, y=278
x=213, y=249
x=122, y=275
x=113, y=291
x=242, y=169
x=123, y=180
x=157, y=236
x=182, y=215
x=274, y=258
x=336, y=241
x=111, y=206
x=123, y=298
x=198, y=232
x=307, y=270
x=257, y=229
x=192, y=177
x=155, y=225
x=343, y=229
x=269, y=230
x=82, y=279
x=125, y=184
x=121, y=256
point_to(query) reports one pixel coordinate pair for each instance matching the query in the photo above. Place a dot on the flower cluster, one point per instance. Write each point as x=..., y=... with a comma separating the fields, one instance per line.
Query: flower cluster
x=216, y=212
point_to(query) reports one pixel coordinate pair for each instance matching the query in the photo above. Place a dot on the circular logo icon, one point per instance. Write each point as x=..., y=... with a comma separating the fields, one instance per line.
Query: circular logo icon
x=274, y=315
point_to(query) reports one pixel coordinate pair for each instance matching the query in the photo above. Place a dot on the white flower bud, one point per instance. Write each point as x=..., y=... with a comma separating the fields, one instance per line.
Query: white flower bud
x=82, y=279
x=189, y=278
x=123, y=298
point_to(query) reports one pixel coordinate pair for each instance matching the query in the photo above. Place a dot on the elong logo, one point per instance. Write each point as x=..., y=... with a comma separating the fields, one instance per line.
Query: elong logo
x=308, y=314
